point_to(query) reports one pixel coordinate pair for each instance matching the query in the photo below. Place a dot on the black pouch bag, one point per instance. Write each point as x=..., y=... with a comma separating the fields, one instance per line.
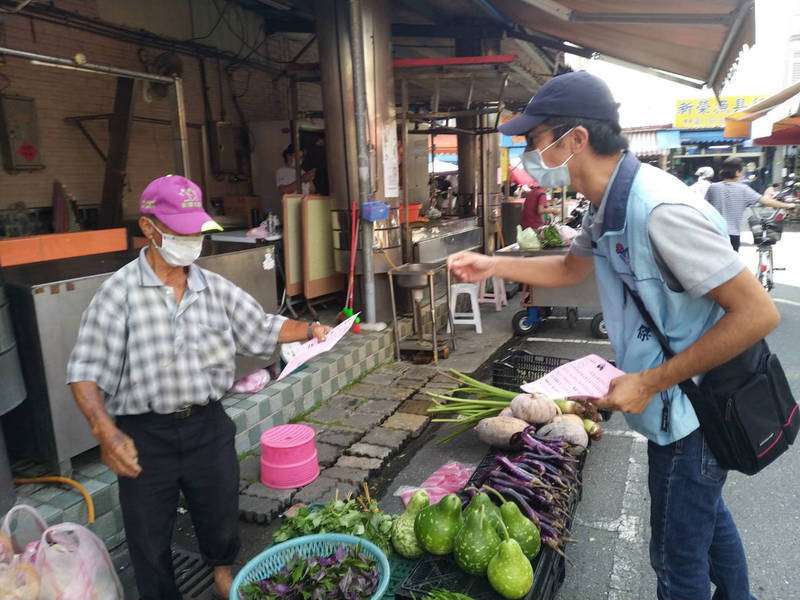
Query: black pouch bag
x=745, y=406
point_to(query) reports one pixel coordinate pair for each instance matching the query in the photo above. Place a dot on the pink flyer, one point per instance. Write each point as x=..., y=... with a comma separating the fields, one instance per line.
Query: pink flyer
x=312, y=347
x=587, y=376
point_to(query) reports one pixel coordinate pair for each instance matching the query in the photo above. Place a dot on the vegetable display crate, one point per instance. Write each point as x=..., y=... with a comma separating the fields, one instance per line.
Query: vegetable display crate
x=432, y=572
x=399, y=569
x=521, y=366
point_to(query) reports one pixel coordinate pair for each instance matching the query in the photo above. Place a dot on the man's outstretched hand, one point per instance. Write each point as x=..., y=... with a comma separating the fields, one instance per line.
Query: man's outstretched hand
x=470, y=266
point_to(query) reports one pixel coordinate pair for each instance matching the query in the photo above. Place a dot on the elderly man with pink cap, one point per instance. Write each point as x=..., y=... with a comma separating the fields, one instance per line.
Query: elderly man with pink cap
x=154, y=356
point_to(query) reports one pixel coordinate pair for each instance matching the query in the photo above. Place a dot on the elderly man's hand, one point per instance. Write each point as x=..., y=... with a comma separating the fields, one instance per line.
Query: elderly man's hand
x=319, y=331
x=630, y=393
x=119, y=453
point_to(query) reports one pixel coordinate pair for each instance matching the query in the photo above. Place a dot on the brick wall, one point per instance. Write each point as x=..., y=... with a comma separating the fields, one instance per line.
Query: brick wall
x=60, y=93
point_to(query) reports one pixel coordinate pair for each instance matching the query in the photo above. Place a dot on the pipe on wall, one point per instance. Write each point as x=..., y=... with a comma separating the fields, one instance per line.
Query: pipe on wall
x=364, y=181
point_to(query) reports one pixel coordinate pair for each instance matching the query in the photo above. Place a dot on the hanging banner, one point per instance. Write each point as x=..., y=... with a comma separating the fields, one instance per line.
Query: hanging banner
x=707, y=113
x=503, y=164
x=391, y=170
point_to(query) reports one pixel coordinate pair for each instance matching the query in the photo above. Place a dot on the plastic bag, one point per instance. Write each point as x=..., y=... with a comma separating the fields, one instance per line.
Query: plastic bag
x=527, y=239
x=567, y=233
x=254, y=382
x=61, y=562
x=19, y=582
x=74, y=565
x=447, y=479
x=20, y=533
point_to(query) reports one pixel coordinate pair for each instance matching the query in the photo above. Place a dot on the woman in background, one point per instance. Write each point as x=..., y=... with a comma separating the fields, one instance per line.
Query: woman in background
x=730, y=197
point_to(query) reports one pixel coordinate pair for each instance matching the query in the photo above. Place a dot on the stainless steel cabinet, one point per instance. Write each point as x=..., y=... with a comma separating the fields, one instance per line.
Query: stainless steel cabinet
x=47, y=301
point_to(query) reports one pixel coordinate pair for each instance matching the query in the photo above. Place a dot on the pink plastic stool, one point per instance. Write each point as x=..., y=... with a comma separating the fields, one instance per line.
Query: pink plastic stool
x=288, y=457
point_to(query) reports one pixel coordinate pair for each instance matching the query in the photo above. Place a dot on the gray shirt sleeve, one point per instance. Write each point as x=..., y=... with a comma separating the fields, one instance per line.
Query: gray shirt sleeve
x=582, y=244
x=691, y=253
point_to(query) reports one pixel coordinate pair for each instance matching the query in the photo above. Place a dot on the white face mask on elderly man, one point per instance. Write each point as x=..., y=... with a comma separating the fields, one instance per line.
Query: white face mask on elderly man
x=549, y=177
x=179, y=250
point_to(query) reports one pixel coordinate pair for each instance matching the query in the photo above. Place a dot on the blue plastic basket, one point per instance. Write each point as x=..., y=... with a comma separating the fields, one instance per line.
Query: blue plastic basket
x=374, y=211
x=272, y=559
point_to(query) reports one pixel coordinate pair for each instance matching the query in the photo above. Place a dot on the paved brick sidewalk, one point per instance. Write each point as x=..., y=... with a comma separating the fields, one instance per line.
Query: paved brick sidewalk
x=358, y=431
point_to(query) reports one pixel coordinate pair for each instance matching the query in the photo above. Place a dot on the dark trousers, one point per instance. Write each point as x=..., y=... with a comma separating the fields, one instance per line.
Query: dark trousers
x=735, y=239
x=194, y=455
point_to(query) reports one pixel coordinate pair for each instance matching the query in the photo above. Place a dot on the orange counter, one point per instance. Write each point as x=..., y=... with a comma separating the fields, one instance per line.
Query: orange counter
x=36, y=248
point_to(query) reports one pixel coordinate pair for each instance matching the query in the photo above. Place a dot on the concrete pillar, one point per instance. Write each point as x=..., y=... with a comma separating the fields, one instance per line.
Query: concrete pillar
x=338, y=103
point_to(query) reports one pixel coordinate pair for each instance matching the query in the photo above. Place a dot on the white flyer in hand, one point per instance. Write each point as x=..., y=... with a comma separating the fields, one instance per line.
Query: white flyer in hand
x=588, y=376
x=313, y=347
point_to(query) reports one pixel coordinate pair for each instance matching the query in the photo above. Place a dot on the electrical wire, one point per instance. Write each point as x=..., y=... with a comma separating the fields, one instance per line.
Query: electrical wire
x=214, y=27
x=17, y=8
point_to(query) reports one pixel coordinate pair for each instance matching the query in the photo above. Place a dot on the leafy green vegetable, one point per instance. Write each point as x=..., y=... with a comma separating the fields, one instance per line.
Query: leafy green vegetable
x=550, y=237
x=354, y=517
x=348, y=574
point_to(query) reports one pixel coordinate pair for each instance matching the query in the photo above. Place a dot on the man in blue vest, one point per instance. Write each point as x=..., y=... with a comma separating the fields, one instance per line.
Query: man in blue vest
x=647, y=230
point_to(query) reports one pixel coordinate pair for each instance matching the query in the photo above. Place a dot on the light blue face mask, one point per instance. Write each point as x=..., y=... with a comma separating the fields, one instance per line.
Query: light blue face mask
x=549, y=177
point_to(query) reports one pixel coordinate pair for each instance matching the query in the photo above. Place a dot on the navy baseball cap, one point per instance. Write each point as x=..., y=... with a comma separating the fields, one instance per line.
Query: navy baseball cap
x=576, y=94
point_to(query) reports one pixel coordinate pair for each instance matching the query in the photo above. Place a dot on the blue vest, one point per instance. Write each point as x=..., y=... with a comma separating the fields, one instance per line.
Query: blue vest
x=623, y=253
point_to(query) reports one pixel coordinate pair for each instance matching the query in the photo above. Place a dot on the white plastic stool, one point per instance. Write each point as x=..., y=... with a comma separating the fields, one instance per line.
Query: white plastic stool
x=465, y=318
x=497, y=296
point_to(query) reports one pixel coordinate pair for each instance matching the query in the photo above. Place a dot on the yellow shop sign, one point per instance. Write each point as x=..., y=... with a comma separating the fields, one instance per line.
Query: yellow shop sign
x=704, y=113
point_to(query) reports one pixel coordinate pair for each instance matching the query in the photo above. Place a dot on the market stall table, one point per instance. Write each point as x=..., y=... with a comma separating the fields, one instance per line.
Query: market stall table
x=573, y=297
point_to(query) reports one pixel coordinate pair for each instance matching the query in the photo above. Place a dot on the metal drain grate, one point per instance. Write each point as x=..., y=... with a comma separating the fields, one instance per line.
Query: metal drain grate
x=193, y=576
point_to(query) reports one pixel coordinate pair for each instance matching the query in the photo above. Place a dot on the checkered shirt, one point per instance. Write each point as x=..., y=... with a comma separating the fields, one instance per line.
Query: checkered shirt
x=147, y=354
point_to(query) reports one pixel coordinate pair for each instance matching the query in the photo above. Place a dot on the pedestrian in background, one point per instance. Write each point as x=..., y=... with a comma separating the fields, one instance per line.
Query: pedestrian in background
x=731, y=197
x=704, y=176
x=536, y=206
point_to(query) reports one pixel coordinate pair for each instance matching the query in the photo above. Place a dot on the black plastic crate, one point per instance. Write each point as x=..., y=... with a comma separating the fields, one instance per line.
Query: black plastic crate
x=433, y=572
x=521, y=366
x=430, y=572
x=399, y=569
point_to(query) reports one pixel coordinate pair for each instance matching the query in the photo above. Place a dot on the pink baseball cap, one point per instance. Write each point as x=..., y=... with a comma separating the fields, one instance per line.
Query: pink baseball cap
x=178, y=203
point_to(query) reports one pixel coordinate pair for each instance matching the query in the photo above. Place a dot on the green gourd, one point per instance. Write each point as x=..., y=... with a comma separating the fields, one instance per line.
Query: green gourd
x=519, y=527
x=436, y=526
x=404, y=539
x=522, y=529
x=476, y=543
x=510, y=572
x=489, y=507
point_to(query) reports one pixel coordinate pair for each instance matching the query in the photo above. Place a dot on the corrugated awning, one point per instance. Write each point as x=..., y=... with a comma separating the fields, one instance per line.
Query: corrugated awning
x=696, y=40
x=713, y=136
x=738, y=125
x=644, y=143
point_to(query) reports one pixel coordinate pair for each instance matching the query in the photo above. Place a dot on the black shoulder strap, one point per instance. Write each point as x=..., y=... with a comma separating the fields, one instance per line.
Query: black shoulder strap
x=662, y=339
x=649, y=321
